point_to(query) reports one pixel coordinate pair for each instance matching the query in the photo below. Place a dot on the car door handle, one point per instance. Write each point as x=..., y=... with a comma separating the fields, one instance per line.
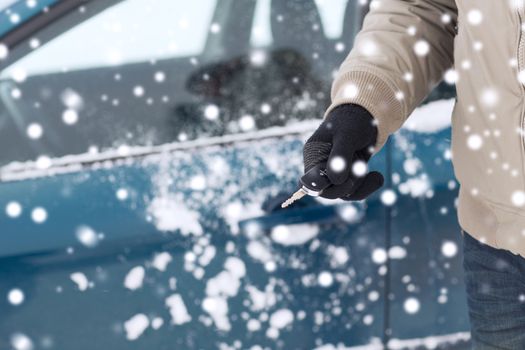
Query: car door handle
x=313, y=214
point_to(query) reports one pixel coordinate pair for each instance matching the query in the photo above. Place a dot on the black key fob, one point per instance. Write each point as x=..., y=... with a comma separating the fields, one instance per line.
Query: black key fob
x=315, y=180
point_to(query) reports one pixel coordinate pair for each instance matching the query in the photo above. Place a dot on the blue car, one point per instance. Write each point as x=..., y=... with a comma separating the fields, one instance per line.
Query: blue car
x=146, y=148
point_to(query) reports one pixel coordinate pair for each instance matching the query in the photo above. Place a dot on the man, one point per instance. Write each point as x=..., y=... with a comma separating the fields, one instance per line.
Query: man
x=403, y=50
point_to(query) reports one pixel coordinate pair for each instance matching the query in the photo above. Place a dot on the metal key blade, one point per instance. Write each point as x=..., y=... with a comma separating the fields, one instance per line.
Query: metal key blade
x=295, y=197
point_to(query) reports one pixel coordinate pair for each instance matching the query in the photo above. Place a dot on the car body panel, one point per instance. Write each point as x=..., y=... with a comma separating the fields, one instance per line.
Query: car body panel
x=136, y=228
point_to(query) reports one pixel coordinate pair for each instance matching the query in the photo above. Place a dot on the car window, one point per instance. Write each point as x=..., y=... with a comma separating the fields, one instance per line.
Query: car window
x=199, y=70
x=110, y=81
x=332, y=15
x=174, y=33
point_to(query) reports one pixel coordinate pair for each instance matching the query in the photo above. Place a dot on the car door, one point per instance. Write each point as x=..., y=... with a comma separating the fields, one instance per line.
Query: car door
x=428, y=296
x=147, y=149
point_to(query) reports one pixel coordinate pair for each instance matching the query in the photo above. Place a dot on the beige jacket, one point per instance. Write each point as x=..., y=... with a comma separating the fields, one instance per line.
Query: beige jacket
x=405, y=48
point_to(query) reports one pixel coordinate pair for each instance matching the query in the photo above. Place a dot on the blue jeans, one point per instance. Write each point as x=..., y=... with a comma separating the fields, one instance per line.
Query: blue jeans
x=495, y=285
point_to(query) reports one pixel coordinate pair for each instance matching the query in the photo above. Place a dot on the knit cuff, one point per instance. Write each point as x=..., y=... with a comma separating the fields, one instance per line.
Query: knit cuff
x=376, y=95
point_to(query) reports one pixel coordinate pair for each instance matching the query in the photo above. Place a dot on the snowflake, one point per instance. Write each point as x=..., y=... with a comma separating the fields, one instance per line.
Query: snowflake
x=34, y=131
x=474, y=142
x=15, y=296
x=39, y=215
x=13, y=209
x=421, y=48
x=411, y=305
x=475, y=17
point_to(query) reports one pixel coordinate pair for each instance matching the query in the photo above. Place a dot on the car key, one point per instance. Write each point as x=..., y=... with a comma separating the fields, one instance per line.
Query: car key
x=312, y=183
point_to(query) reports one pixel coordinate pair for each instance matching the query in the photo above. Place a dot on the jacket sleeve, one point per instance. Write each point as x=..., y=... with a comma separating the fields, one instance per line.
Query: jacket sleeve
x=398, y=57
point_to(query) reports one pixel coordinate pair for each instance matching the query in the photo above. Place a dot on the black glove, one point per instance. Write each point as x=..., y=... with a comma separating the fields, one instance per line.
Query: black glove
x=345, y=137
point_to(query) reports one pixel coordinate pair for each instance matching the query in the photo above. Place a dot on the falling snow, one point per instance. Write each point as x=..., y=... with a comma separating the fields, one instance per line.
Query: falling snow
x=4, y=51
x=411, y=305
x=39, y=215
x=20, y=341
x=337, y=164
x=16, y=296
x=13, y=209
x=421, y=48
x=359, y=168
x=388, y=197
x=34, y=131
x=70, y=116
x=449, y=249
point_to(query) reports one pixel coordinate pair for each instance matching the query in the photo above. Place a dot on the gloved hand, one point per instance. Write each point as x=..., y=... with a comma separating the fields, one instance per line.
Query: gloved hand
x=344, y=140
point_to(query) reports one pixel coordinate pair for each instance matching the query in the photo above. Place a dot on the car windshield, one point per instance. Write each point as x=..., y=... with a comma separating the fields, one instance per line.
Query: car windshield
x=193, y=73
